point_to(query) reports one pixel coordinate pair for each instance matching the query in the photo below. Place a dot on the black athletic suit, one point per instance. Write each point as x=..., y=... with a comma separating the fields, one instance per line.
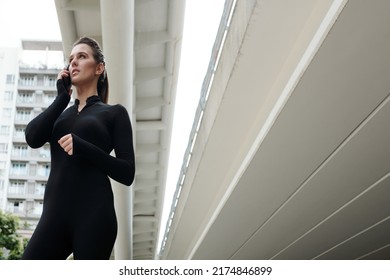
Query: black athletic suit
x=78, y=210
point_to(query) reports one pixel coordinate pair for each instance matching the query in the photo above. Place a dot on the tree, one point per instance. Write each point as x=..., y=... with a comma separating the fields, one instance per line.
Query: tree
x=11, y=243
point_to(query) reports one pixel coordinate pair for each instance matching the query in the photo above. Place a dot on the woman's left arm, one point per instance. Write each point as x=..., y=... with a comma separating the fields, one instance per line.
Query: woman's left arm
x=121, y=168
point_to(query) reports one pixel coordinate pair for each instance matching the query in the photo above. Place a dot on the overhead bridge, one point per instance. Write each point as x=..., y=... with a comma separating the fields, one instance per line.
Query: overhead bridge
x=290, y=155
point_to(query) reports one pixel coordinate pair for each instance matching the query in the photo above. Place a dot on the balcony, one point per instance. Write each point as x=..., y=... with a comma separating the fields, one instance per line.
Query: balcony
x=23, y=117
x=33, y=212
x=17, y=190
x=41, y=155
x=18, y=135
x=34, y=82
x=36, y=99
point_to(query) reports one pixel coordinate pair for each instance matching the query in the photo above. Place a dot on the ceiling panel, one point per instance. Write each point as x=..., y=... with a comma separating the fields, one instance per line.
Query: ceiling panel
x=316, y=182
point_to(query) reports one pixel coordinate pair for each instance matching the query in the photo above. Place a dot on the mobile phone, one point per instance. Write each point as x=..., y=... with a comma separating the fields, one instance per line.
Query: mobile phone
x=67, y=80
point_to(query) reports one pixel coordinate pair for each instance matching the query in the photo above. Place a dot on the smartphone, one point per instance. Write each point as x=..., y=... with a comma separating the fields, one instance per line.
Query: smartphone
x=67, y=80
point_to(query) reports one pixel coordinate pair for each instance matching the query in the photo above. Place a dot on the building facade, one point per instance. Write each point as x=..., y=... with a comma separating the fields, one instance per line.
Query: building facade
x=26, y=90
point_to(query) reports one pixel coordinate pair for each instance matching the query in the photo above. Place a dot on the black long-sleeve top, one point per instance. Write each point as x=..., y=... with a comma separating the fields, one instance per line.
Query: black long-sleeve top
x=97, y=130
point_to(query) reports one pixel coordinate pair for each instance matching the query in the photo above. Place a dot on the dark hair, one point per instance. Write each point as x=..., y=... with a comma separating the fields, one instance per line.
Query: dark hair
x=102, y=85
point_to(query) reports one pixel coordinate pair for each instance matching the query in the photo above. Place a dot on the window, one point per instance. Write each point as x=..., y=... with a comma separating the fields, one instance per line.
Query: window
x=20, y=150
x=25, y=97
x=17, y=187
x=23, y=114
x=8, y=95
x=10, y=79
x=50, y=80
x=16, y=206
x=27, y=80
x=44, y=152
x=3, y=164
x=40, y=188
x=43, y=170
x=7, y=113
x=19, y=131
x=49, y=98
x=3, y=148
x=4, y=129
x=19, y=168
x=38, y=207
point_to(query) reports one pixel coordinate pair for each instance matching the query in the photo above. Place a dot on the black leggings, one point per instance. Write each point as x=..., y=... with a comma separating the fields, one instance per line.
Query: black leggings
x=89, y=236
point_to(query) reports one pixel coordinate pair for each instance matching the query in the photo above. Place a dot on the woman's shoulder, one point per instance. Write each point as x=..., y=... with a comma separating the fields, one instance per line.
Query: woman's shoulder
x=117, y=109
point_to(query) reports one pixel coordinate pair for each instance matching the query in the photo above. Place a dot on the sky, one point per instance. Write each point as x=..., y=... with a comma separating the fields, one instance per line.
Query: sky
x=27, y=19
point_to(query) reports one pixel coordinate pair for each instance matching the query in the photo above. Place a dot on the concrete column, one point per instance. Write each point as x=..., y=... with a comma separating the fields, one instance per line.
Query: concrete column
x=117, y=18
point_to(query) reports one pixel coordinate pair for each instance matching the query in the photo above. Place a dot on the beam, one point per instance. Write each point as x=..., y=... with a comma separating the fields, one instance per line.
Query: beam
x=140, y=198
x=147, y=219
x=144, y=210
x=144, y=39
x=146, y=149
x=86, y=5
x=149, y=73
x=150, y=125
x=142, y=184
x=149, y=103
x=145, y=168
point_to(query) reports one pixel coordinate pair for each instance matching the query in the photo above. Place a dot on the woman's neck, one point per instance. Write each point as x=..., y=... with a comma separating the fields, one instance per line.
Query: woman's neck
x=83, y=93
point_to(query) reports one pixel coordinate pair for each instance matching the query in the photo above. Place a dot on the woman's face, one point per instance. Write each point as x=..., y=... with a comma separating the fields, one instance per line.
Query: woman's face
x=82, y=65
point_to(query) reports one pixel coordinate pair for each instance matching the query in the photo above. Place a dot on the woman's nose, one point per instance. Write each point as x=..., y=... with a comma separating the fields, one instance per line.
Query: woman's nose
x=73, y=62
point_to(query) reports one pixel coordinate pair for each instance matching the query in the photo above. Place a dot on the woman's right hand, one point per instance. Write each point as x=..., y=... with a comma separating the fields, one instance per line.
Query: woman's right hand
x=66, y=143
x=64, y=75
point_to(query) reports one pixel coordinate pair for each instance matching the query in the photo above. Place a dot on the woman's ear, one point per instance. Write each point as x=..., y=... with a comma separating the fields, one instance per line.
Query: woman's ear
x=100, y=69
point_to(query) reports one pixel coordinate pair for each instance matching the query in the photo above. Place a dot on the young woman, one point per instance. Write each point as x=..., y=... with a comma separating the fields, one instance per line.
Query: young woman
x=78, y=212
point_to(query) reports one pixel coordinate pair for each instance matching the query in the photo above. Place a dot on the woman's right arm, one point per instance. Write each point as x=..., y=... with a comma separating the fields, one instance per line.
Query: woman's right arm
x=38, y=131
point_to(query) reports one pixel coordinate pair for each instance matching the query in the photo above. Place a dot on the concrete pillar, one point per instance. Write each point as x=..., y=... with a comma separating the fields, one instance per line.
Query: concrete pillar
x=117, y=18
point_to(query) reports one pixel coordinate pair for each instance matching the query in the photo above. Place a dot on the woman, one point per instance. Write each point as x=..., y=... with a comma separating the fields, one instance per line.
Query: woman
x=78, y=212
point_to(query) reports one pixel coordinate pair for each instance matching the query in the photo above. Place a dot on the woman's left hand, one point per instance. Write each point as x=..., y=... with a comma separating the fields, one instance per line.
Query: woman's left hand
x=66, y=142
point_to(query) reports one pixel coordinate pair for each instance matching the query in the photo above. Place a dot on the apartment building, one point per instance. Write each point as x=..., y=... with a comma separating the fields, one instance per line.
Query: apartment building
x=26, y=89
